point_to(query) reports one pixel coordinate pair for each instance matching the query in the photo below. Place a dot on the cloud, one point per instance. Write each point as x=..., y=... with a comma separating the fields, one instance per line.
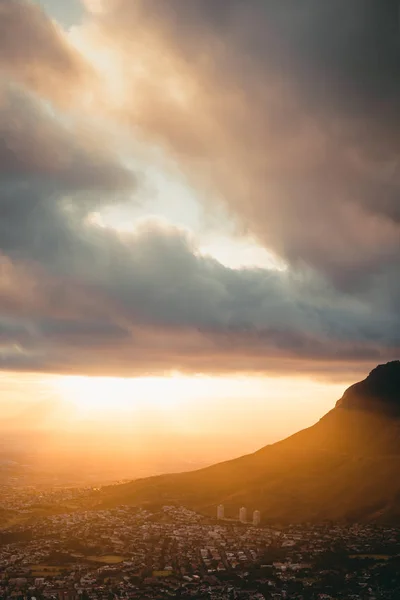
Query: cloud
x=147, y=302
x=278, y=110
x=286, y=111
x=35, y=51
x=50, y=173
x=36, y=143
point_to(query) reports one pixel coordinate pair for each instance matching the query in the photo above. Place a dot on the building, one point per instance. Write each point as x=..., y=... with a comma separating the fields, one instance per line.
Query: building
x=256, y=517
x=70, y=594
x=220, y=511
x=243, y=515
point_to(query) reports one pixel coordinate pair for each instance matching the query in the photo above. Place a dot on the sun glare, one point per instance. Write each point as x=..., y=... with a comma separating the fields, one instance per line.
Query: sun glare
x=115, y=395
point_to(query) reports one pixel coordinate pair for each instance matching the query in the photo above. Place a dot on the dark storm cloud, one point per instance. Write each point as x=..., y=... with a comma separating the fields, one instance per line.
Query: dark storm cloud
x=12, y=332
x=50, y=173
x=160, y=306
x=292, y=116
x=88, y=332
x=36, y=144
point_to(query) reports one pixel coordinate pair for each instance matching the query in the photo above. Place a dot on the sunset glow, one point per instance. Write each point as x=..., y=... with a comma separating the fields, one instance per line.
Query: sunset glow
x=101, y=394
x=185, y=196
x=199, y=299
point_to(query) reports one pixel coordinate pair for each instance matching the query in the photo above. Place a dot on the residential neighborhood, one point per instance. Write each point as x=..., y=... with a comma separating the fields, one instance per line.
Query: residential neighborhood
x=173, y=552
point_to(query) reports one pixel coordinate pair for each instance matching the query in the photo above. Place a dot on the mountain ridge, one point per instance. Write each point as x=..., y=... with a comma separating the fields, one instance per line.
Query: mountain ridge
x=345, y=466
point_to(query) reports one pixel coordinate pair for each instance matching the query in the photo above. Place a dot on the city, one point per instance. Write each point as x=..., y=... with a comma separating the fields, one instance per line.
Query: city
x=199, y=299
x=160, y=552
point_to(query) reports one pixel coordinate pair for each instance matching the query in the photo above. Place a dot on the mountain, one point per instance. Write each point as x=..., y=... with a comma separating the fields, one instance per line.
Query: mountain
x=346, y=466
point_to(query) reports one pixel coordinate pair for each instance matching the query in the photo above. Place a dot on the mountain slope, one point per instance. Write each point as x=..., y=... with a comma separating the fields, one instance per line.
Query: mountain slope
x=344, y=466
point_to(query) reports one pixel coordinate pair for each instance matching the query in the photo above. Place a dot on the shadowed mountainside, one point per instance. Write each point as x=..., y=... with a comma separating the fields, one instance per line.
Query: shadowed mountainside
x=346, y=466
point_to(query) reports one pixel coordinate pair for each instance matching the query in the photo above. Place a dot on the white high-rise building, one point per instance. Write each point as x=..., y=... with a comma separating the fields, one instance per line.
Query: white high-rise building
x=256, y=517
x=243, y=515
x=220, y=511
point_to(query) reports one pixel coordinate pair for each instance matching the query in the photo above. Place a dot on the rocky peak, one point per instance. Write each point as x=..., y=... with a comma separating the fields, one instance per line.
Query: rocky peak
x=379, y=392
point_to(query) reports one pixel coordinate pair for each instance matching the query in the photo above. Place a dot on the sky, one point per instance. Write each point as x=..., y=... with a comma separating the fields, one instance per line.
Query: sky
x=198, y=191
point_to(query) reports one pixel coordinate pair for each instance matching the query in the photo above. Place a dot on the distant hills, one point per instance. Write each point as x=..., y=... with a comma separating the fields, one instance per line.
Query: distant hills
x=346, y=466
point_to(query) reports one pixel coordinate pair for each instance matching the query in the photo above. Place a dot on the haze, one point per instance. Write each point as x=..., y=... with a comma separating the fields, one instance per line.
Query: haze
x=199, y=231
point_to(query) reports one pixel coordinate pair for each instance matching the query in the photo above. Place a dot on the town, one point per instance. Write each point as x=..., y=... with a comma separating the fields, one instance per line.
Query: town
x=158, y=552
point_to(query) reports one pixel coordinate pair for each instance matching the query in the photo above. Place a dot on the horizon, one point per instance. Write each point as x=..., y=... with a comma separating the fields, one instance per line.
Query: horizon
x=199, y=299
x=192, y=428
